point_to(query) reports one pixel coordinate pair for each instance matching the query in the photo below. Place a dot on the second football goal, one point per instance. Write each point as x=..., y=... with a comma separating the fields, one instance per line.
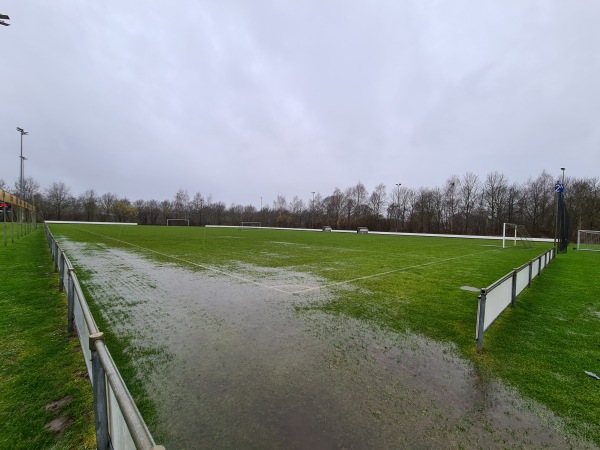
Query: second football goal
x=588, y=240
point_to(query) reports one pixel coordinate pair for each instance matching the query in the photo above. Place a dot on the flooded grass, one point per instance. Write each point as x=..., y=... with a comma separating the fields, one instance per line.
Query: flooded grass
x=235, y=354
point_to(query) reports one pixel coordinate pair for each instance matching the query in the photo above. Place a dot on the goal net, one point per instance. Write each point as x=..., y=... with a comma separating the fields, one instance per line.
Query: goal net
x=517, y=234
x=178, y=222
x=588, y=240
x=249, y=225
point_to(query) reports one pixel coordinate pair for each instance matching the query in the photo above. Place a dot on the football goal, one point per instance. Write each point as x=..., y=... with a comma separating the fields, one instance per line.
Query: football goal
x=249, y=225
x=588, y=240
x=516, y=233
x=178, y=222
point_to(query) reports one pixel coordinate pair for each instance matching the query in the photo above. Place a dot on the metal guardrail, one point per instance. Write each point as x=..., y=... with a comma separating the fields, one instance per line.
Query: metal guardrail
x=119, y=424
x=496, y=297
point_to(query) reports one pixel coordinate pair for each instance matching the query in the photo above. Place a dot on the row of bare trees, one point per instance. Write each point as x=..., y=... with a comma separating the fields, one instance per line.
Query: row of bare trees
x=463, y=205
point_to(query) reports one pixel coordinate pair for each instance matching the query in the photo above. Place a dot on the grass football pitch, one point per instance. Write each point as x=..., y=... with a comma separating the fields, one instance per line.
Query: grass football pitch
x=543, y=347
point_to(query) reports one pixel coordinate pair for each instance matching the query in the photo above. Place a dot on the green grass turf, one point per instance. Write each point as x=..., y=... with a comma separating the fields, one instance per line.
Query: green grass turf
x=40, y=362
x=409, y=283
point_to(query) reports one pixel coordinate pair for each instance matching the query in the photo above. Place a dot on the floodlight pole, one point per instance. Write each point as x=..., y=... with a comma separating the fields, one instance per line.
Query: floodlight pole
x=398, y=205
x=22, y=173
x=23, y=132
x=312, y=211
x=561, y=204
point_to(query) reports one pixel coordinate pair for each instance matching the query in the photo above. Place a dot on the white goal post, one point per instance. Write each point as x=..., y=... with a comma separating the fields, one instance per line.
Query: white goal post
x=515, y=232
x=178, y=222
x=249, y=225
x=588, y=240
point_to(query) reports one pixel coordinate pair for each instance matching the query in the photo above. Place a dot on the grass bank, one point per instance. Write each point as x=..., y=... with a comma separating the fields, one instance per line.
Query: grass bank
x=43, y=379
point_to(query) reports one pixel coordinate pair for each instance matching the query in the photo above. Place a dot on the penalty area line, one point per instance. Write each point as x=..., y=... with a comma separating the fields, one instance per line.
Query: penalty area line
x=388, y=272
x=191, y=263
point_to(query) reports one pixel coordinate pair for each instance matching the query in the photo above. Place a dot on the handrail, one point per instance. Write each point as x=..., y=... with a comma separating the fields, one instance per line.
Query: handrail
x=85, y=309
x=139, y=431
x=104, y=376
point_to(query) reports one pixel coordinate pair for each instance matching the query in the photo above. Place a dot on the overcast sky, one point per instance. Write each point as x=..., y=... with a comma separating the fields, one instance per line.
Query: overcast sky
x=242, y=99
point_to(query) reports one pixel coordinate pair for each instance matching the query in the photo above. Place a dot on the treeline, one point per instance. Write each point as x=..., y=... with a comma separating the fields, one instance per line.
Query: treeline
x=464, y=205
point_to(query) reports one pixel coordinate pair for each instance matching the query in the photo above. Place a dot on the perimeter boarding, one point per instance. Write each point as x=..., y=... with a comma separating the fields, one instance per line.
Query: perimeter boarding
x=119, y=424
x=495, y=298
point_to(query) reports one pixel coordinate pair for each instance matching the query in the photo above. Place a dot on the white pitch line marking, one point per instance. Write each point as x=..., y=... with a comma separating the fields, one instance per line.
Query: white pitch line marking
x=381, y=274
x=277, y=288
x=203, y=266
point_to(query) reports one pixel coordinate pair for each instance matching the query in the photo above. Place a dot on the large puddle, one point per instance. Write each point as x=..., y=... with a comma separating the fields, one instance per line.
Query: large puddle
x=230, y=363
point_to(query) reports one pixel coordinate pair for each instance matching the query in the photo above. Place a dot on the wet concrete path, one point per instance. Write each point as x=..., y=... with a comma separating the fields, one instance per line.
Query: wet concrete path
x=233, y=364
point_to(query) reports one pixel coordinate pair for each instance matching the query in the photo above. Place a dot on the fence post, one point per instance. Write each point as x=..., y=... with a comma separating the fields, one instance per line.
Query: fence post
x=70, y=301
x=56, y=255
x=530, y=273
x=513, y=294
x=480, y=320
x=61, y=272
x=100, y=398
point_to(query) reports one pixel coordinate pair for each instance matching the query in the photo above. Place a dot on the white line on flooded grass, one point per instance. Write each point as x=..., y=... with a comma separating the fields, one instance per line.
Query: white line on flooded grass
x=203, y=266
x=281, y=288
x=381, y=274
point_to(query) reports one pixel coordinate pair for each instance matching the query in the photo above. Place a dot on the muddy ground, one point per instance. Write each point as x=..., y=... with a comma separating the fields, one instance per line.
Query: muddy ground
x=231, y=363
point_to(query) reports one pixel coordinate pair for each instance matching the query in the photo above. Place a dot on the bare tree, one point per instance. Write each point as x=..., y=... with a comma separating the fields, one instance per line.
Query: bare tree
x=451, y=202
x=166, y=209
x=89, y=203
x=141, y=212
x=357, y=196
x=180, y=204
x=107, y=202
x=495, y=190
x=124, y=211
x=196, y=206
x=469, y=191
x=334, y=207
x=57, y=196
x=297, y=208
x=377, y=200
x=30, y=188
x=219, y=210
x=583, y=197
x=153, y=209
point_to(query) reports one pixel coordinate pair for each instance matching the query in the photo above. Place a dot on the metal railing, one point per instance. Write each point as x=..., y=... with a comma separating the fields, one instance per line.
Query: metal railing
x=119, y=424
x=495, y=298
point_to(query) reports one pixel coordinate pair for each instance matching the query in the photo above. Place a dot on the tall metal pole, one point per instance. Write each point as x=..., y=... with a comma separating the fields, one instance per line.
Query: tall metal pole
x=561, y=201
x=398, y=206
x=21, y=180
x=22, y=174
x=312, y=211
